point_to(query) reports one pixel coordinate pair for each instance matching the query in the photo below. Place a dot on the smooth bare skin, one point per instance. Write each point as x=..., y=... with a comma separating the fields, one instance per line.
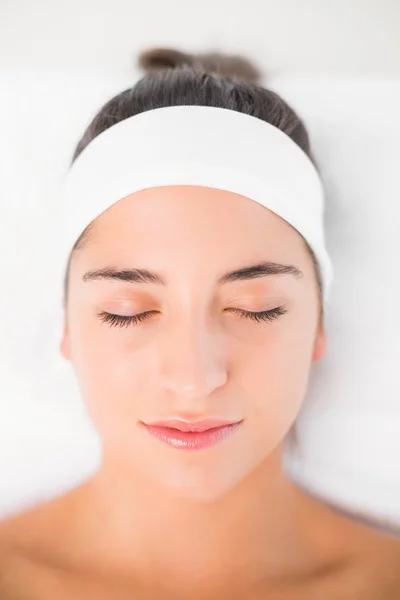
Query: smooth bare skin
x=194, y=358
x=225, y=522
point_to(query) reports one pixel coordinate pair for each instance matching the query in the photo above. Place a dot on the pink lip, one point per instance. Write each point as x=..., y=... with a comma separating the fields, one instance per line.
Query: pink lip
x=194, y=426
x=194, y=435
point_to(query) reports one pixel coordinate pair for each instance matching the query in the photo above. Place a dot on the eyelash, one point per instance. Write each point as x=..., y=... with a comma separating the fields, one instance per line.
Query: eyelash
x=121, y=321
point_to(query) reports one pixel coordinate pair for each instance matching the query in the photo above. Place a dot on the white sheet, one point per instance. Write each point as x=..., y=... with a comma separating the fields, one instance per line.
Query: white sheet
x=348, y=442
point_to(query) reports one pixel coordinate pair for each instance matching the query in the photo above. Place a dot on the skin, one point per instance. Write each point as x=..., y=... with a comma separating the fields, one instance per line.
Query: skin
x=228, y=516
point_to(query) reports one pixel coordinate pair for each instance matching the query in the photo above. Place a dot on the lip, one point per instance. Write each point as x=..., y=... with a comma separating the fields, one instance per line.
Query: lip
x=194, y=426
x=192, y=435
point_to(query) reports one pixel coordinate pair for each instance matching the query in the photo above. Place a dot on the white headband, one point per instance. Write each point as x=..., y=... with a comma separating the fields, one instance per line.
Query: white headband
x=197, y=145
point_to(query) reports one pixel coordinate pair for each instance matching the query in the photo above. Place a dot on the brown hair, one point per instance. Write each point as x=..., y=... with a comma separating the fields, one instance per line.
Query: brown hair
x=174, y=78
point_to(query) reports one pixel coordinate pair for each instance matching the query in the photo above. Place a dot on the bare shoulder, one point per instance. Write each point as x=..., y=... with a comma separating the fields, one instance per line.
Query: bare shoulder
x=32, y=545
x=371, y=547
x=34, y=553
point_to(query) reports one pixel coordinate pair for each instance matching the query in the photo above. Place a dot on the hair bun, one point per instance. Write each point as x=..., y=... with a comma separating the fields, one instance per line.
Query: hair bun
x=157, y=59
x=234, y=66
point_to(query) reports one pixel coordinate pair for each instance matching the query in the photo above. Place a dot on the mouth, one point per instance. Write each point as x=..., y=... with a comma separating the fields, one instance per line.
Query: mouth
x=192, y=435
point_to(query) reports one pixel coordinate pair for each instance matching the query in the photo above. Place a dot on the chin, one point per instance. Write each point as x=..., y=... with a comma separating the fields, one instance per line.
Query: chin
x=199, y=484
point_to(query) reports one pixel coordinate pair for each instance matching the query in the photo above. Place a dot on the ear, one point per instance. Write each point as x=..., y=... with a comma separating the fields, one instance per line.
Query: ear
x=64, y=346
x=319, y=346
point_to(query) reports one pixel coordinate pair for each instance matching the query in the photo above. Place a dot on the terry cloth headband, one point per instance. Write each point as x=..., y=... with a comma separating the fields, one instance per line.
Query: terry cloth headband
x=197, y=145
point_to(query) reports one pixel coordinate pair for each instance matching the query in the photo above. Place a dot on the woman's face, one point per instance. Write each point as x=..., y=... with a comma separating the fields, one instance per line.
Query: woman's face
x=196, y=354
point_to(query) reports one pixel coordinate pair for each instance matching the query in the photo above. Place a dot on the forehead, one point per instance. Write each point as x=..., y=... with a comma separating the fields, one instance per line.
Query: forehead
x=189, y=233
x=164, y=216
x=191, y=238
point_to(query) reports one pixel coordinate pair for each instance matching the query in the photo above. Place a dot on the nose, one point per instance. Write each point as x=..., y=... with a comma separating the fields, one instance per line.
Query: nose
x=192, y=361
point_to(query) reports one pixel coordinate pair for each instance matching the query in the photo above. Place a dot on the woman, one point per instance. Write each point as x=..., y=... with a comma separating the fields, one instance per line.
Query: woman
x=193, y=318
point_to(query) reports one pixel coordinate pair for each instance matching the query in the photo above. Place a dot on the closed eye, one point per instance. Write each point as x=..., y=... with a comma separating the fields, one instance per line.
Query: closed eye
x=264, y=315
x=124, y=321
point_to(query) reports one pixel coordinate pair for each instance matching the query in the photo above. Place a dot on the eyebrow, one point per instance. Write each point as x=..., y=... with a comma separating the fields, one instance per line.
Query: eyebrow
x=264, y=269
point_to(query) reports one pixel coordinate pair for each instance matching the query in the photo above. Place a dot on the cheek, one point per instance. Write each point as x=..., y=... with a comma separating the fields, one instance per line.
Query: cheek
x=112, y=376
x=275, y=381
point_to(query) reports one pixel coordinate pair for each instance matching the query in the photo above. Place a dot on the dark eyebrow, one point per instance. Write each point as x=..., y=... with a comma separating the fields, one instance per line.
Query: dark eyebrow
x=264, y=269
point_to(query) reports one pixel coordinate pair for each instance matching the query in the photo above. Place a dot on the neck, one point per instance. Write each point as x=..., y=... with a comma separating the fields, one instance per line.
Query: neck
x=263, y=528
